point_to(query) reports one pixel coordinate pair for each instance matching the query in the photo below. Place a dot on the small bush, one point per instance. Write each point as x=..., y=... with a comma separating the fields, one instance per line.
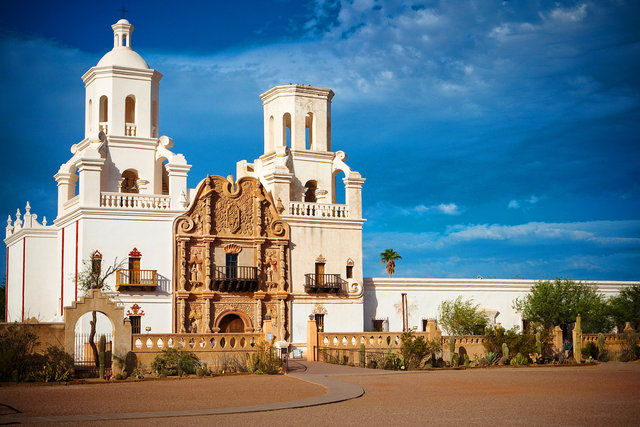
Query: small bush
x=630, y=349
x=17, y=360
x=57, y=366
x=414, y=349
x=590, y=350
x=170, y=361
x=264, y=360
x=519, y=360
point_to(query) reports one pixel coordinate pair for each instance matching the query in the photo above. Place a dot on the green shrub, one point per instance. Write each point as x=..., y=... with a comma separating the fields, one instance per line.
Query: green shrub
x=519, y=359
x=590, y=350
x=170, y=361
x=57, y=366
x=491, y=358
x=414, y=349
x=17, y=361
x=629, y=350
x=264, y=360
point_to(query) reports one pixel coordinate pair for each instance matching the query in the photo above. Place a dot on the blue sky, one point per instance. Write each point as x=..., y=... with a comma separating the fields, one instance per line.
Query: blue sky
x=498, y=139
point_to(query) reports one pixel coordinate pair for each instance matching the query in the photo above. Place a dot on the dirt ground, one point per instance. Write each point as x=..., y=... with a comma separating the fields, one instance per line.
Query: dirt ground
x=607, y=394
x=149, y=396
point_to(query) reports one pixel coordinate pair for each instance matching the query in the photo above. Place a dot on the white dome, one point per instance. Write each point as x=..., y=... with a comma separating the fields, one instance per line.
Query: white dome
x=122, y=21
x=123, y=57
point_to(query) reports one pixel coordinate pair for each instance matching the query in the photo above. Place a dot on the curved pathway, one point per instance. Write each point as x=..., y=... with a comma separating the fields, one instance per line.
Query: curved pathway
x=313, y=372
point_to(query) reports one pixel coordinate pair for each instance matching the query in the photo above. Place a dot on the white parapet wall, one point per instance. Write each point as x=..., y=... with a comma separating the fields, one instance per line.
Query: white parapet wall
x=383, y=298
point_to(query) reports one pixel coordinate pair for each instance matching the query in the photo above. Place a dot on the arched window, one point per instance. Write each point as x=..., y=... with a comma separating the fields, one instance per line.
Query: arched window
x=130, y=116
x=310, y=191
x=129, y=181
x=165, y=178
x=124, y=40
x=308, y=129
x=90, y=115
x=154, y=111
x=104, y=114
x=271, y=139
x=338, y=189
x=286, y=128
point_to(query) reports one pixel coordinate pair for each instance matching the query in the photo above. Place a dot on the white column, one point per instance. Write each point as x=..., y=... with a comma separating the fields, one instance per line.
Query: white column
x=89, y=170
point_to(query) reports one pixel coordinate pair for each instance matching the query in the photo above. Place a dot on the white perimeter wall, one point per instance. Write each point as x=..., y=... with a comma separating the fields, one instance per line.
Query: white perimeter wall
x=382, y=297
x=340, y=317
x=41, y=298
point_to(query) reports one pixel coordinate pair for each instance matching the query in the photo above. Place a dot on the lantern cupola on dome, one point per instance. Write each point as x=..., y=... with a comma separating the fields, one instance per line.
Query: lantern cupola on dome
x=122, y=55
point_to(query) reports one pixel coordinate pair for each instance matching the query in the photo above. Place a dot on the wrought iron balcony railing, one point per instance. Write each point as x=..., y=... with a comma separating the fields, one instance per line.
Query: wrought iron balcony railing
x=235, y=279
x=324, y=283
x=136, y=278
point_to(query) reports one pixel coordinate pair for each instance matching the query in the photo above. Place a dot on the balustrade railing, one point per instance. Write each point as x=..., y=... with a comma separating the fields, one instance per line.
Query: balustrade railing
x=130, y=129
x=138, y=278
x=135, y=201
x=327, y=283
x=151, y=343
x=318, y=210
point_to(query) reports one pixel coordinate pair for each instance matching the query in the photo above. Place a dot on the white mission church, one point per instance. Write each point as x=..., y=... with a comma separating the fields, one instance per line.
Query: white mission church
x=223, y=257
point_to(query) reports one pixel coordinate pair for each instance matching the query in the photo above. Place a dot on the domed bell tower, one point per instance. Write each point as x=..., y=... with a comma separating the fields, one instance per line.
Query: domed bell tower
x=122, y=91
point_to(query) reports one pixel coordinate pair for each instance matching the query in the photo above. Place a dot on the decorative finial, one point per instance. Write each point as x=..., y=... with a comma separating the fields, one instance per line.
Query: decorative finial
x=9, y=220
x=44, y=220
x=17, y=214
x=27, y=209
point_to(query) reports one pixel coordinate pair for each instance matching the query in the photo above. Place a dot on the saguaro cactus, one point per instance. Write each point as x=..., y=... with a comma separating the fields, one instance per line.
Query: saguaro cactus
x=538, y=344
x=505, y=350
x=102, y=344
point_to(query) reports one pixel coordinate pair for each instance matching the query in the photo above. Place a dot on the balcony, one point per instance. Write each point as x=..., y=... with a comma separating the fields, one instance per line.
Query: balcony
x=235, y=279
x=324, y=283
x=157, y=202
x=145, y=279
x=318, y=210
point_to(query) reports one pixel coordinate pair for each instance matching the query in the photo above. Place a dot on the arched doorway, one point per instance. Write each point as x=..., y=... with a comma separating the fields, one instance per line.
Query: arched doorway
x=85, y=358
x=231, y=324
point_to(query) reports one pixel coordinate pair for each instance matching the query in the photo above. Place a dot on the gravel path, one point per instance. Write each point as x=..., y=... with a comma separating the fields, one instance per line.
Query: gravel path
x=608, y=394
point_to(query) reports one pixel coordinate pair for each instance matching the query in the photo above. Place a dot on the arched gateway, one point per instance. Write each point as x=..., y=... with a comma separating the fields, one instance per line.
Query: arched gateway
x=231, y=260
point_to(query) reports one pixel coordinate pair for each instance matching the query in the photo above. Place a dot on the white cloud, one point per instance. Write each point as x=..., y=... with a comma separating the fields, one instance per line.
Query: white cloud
x=448, y=208
x=533, y=199
x=574, y=14
x=513, y=204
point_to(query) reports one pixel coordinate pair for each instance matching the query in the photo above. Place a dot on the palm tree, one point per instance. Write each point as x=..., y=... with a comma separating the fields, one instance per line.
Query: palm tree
x=389, y=256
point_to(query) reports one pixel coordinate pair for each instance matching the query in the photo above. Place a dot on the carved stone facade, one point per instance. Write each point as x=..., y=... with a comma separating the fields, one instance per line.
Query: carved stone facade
x=231, y=260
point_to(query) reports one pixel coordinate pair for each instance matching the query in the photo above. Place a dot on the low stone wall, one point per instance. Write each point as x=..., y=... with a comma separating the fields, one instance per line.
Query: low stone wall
x=213, y=349
x=49, y=334
x=613, y=342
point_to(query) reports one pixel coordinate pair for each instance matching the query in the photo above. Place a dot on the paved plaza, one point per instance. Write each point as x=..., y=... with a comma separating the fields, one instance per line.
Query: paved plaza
x=321, y=394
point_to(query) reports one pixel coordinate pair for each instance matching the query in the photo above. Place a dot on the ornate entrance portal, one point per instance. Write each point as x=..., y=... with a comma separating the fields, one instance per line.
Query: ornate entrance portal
x=231, y=324
x=231, y=260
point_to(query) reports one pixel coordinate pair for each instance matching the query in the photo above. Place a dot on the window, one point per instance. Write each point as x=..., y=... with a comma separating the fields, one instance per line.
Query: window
x=129, y=181
x=231, y=263
x=320, y=322
x=286, y=128
x=424, y=325
x=134, y=266
x=96, y=263
x=310, y=191
x=308, y=128
x=378, y=325
x=135, y=324
x=130, y=109
x=349, y=272
x=320, y=273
